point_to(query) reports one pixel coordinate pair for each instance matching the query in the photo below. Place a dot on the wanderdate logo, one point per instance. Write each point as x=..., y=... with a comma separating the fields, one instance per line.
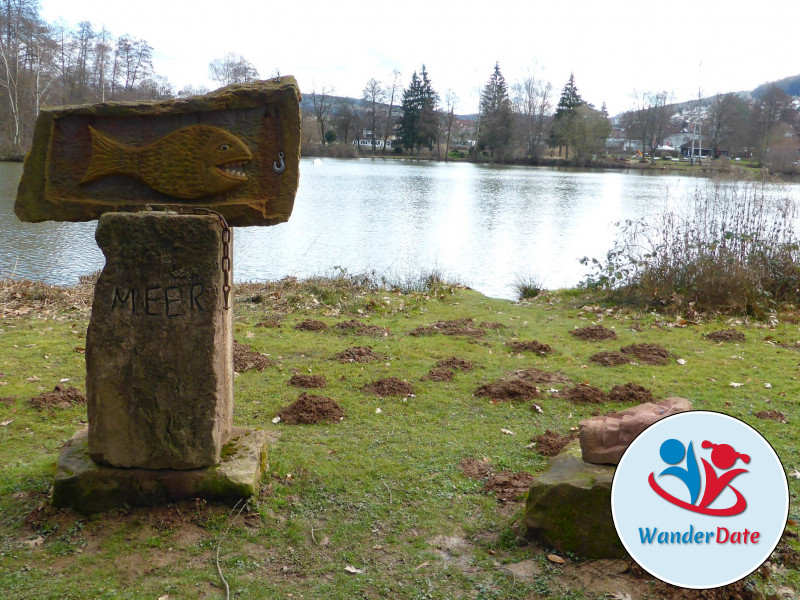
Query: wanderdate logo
x=700, y=499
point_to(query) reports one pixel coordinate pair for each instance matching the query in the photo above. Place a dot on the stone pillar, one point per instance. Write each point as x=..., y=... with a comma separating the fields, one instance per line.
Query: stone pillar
x=159, y=372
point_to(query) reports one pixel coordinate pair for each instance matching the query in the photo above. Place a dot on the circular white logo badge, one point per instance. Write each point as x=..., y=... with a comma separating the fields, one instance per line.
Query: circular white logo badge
x=700, y=499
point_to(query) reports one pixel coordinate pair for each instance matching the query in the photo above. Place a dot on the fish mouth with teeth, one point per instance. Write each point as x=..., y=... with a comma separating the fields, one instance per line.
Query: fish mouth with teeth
x=233, y=170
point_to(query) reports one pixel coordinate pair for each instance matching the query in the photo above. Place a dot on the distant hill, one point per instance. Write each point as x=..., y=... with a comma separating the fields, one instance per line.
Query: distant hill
x=790, y=85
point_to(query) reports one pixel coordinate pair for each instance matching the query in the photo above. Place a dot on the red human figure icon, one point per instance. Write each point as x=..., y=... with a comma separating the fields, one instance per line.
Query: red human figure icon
x=724, y=457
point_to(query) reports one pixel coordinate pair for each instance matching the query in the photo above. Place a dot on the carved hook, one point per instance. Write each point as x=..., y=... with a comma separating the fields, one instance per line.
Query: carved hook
x=279, y=166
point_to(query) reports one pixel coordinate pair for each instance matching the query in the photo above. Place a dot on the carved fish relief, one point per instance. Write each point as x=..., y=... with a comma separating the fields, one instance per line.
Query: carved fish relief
x=190, y=163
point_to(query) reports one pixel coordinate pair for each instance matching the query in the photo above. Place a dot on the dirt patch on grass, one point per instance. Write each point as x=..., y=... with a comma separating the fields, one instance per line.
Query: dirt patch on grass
x=308, y=381
x=307, y=410
x=453, y=327
x=771, y=415
x=550, y=443
x=245, y=358
x=311, y=325
x=537, y=376
x=613, y=358
x=509, y=486
x=457, y=364
x=7, y=400
x=391, y=386
x=271, y=323
x=631, y=392
x=475, y=468
x=509, y=388
x=725, y=335
x=529, y=346
x=58, y=398
x=585, y=394
x=593, y=333
x=649, y=354
x=439, y=374
x=357, y=327
x=359, y=354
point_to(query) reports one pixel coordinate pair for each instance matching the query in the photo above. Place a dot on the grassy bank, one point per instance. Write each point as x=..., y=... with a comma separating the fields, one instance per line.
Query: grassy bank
x=381, y=504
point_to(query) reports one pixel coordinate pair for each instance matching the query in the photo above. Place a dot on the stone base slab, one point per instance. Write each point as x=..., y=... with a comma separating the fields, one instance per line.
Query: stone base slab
x=89, y=487
x=569, y=507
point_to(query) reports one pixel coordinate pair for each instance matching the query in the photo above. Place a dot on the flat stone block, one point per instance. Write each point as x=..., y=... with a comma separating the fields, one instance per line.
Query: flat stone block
x=89, y=487
x=569, y=507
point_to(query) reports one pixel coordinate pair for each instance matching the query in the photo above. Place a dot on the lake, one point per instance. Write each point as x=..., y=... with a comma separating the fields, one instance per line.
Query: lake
x=484, y=226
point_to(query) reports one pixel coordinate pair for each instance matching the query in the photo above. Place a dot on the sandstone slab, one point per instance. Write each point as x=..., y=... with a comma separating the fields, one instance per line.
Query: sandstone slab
x=605, y=438
x=159, y=348
x=569, y=507
x=87, y=487
x=236, y=150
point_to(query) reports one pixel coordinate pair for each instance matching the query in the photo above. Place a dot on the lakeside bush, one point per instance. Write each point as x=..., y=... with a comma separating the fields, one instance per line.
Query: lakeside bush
x=734, y=249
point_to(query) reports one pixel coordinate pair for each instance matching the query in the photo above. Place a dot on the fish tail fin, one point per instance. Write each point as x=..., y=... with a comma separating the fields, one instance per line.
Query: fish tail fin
x=107, y=157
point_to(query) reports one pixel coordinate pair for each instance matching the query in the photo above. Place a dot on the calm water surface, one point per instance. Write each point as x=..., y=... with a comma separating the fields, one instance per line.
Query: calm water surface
x=481, y=225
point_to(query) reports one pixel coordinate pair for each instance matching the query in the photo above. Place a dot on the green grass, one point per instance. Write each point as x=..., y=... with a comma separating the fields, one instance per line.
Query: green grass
x=379, y=490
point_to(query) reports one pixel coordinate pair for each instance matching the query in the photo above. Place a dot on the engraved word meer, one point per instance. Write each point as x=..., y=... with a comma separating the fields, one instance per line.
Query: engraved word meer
x=161, y=300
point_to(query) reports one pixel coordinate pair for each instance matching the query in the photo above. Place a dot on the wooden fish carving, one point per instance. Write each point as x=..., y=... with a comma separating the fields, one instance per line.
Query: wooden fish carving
x=190, y=163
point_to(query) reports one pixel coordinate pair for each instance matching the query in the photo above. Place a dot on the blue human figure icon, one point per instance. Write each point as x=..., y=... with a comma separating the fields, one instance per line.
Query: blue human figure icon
x=672, y=453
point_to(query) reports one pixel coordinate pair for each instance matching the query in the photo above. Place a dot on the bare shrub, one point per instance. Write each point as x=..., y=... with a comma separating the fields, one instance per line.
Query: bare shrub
x=733, y=249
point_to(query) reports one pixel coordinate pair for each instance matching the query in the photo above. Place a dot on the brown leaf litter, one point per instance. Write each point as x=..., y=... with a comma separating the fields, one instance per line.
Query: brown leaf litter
x=307, y=410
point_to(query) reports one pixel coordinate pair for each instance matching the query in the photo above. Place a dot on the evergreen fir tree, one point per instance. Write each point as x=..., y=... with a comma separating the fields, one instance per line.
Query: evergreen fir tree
x=419, y=124
x=565, y=111
x=495, y=114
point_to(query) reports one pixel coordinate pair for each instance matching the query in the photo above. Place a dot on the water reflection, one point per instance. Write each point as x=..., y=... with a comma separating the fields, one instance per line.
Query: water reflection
x=482, y=225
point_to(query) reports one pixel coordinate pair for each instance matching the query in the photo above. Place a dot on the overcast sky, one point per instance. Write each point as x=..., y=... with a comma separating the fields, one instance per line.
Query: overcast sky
x=613, y=48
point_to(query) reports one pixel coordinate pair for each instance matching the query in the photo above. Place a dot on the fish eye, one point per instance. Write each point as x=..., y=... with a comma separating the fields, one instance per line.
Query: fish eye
x=224, y=147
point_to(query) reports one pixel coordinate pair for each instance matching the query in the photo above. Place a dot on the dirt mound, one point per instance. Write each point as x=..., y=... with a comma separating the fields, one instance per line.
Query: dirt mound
x=271, y=323
x=725, y=335
x=649, y=354
x=7, y=400
x=538, y=377
x=551, y=443
x=509, y=486
x=509, y=388
x=58, y=398
x=457, y=364
x=772, y=415
x=613, y=358
x=245, y=358
x=308, y=381
x=492, y=325
x=439, y=374
x=357, y=327
x=593, y=333
x=585, y=394
x=453, y=327
x=311, y=325
x=631, y=392
x=307, y=410
x=359, y=354
x=391, y=386
x=475, y=468
x=529, y=346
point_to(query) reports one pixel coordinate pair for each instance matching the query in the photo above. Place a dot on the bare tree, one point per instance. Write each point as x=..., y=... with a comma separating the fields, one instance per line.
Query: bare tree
x=532, y=103
x=728, y=114
x=450, y=101
x=232, y=68
x=392, y=90
x=373, y=95
x=649, y=121
x=322, y=103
